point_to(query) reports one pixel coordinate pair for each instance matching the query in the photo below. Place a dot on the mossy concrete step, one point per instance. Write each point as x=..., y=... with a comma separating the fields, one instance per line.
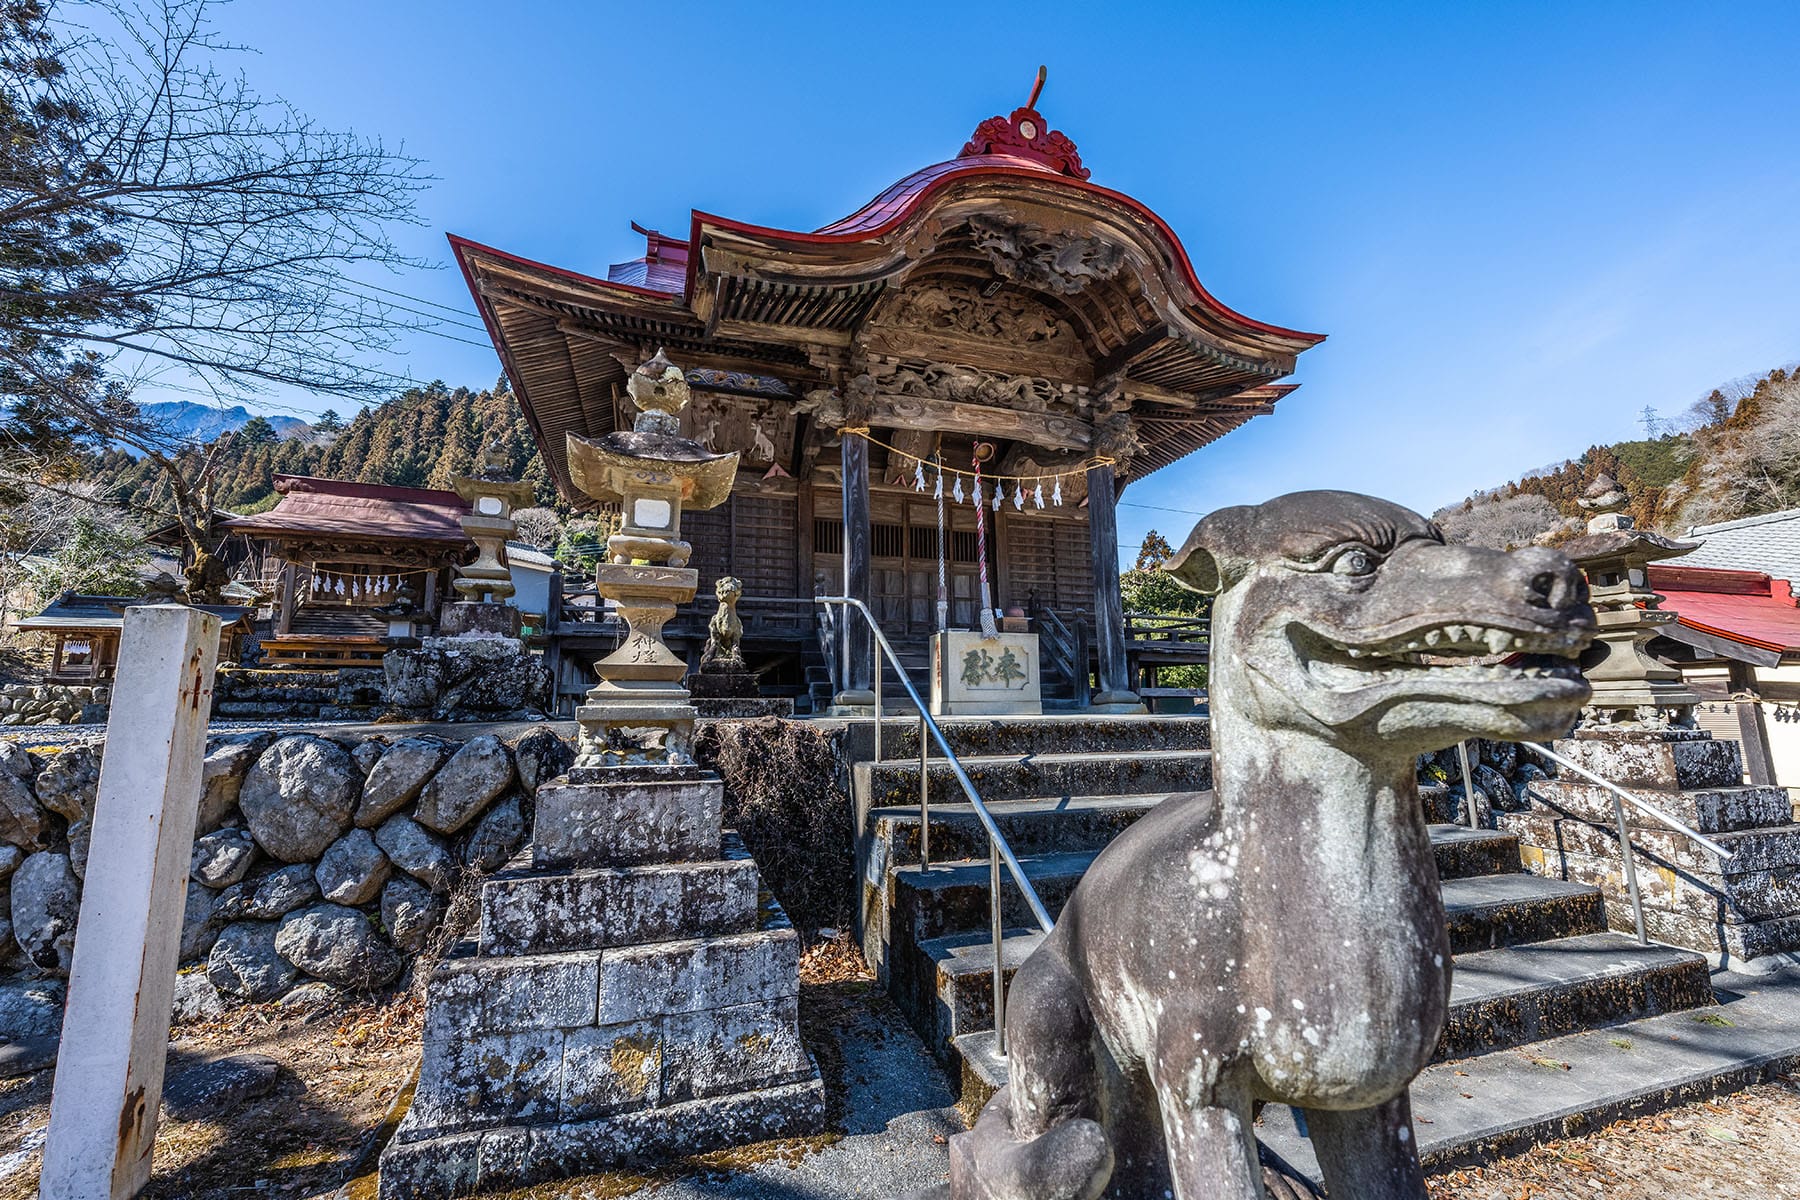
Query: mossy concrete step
x=952, y=897
x=1031, y=826
x=1488, y=911
x=945, y=986
x=1470, y=1111
x=1499, y=999
x=1018, y=777
x=1052, y=733
x=1520, y=994
x=1462, y=852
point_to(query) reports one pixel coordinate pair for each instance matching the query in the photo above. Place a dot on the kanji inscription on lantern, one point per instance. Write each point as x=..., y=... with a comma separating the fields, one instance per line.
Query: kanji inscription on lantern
x=978, y=675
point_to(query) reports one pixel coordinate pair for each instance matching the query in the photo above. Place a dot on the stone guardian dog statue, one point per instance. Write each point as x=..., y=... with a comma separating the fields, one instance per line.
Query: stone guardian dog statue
x=1281, y=938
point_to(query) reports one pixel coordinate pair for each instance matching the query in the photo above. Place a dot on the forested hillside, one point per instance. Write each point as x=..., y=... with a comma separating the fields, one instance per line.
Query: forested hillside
x=1733, y=453
x=418, y=439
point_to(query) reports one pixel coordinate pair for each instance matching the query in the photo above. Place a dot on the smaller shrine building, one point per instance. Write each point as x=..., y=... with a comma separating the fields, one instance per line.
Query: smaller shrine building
x=84, y=631
x=345, y=550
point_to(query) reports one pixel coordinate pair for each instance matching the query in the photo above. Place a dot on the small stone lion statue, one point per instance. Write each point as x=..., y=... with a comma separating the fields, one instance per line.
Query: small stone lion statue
x=724, y=631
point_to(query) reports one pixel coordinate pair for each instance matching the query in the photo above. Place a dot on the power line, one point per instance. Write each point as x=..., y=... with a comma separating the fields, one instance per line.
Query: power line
x=406, y=296
x=1161, y=508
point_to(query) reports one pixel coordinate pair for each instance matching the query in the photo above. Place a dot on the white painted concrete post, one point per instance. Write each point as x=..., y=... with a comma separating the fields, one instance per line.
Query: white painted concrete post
x=109, y=1071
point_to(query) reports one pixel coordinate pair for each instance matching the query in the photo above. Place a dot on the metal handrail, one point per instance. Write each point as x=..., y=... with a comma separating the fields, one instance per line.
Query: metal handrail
x=1620, y=796
x=998, y=850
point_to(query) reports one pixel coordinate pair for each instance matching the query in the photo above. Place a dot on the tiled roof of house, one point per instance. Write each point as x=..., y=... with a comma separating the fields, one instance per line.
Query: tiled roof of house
x=1769, y=543
x=1743, y=606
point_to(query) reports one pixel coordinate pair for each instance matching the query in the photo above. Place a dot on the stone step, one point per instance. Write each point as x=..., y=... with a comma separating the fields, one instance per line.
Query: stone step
x=1462, y=852
x=896, y=783
x=1520, y=994
x=1470, y=1111
x=1053, y=733
x=1488, y=911
x=1045, y=826
x=953, y=896
x=941, y=954
x=1506, y=997
x=1032, y=826
x=1709, y=810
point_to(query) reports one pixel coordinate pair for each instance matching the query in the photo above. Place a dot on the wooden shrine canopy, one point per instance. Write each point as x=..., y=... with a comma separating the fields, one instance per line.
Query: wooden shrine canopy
x=998, y=294
x=347, y=549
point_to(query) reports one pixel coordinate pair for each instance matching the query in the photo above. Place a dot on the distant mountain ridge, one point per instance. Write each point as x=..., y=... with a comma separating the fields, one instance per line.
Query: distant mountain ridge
x=420, y=438
x=203, y=422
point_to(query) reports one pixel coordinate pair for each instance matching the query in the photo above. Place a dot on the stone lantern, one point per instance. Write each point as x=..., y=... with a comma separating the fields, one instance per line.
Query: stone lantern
x=1631, y=689
x=639, y=713
x=485, y=584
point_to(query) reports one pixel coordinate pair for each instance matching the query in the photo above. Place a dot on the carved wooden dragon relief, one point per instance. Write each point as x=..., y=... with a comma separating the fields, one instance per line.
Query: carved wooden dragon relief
x=1060, y=261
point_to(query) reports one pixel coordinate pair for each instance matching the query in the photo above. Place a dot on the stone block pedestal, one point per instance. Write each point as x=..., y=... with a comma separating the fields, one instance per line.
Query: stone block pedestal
x=972, y=675
x=628, y=998
x=1741, y=908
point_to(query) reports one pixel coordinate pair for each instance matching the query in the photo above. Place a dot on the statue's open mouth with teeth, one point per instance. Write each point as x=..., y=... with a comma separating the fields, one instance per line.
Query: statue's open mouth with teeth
x=1350, y=615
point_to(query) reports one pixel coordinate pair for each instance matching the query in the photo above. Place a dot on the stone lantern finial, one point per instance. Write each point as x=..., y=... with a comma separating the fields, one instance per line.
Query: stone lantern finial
x=1606, y=500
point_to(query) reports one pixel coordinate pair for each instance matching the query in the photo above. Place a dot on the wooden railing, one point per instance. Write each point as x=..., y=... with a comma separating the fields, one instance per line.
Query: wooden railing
x=772, y=617
x=1158, y=627
x=1063, y=648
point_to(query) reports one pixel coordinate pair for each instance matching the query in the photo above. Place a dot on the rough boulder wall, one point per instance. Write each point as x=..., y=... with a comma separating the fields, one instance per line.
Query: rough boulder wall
x=319, y=862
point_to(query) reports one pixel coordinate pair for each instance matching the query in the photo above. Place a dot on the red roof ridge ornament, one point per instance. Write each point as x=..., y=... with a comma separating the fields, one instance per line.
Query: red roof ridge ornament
x=1026, y=134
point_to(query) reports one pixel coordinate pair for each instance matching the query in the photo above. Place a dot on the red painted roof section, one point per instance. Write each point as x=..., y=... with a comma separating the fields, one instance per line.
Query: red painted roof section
x=657, y=273
x=1742, y=606
x=663, y=266
x=339, y=508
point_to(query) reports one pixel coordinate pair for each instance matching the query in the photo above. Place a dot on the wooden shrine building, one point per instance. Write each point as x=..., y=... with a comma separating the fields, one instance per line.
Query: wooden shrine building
x=346, y=549
x=998, y=297
x=85, y=632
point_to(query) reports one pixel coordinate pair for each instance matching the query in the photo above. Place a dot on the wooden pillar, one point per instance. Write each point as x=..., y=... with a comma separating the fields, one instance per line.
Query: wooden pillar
x=1114, y=694
x=104, y=1104
x=290, y=585
x=1753, y=738
x=854, y=687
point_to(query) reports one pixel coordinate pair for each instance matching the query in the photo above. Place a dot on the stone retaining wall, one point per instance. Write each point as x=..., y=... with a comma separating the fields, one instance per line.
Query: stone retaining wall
x=318, y=860
x=52, y=704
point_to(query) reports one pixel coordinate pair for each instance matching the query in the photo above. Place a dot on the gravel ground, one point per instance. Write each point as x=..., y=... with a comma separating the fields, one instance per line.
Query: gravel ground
x=1739, y=1147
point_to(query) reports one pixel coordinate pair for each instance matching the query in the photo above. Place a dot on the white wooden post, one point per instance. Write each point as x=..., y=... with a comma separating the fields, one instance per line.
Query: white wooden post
x=109, y=1071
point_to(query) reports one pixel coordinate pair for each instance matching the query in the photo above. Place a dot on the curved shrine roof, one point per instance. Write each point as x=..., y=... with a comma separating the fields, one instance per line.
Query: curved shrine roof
x=751, y=299
x=336, y=508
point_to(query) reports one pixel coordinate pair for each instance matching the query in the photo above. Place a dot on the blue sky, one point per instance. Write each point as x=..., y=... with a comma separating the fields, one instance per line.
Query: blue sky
x=1519, y=224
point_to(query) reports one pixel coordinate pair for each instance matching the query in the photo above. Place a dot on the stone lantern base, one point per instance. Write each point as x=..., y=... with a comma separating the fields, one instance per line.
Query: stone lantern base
x=631, y=998
x=472, y=618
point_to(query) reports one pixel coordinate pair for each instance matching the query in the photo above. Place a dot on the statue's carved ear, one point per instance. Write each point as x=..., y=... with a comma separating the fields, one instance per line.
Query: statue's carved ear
x=1207, y=562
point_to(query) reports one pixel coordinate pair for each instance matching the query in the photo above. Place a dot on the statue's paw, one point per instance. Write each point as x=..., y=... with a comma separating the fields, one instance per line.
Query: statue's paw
x=1072, y=1160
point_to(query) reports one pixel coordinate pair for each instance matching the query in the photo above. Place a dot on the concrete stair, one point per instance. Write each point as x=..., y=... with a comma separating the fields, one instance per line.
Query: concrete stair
x=1468, y=1111
x=1540, y=980
x=1533, y=961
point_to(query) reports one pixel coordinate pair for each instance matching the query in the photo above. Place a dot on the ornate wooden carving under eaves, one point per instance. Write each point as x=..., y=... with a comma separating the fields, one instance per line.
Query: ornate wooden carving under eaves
x=1116, y=437
x=960, y=309
x=968, y=385
x=1059, y=261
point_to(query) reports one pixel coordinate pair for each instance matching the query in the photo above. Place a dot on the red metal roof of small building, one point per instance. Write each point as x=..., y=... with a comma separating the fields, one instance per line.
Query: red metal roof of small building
x=339, y=508
x=1741, y=606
